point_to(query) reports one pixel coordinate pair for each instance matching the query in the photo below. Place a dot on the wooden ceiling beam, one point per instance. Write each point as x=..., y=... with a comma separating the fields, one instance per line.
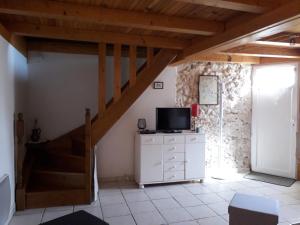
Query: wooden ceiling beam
x=75, y=47
x=67, y=33
x=270, y=23
x=117, y=17
x=285, y=39
x=264, y=51
x=278, y=44
x=250, y=6
x=223, y=58
x=271, y=60
x=17, y=41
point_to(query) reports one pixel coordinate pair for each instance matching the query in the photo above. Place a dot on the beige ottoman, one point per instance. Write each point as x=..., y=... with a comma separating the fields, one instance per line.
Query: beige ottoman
x=253, y=210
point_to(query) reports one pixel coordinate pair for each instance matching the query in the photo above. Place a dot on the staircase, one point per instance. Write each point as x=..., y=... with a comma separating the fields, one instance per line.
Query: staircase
x=60, y=172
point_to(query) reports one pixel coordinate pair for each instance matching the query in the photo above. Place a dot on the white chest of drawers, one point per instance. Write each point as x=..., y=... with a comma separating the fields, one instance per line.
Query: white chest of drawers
x=161, y=158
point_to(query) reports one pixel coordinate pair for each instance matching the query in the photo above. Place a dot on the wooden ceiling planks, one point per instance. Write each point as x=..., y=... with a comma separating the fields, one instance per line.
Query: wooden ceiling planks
x=110, y=16
x=165, y=7
x=270, y=23
x=173, y=8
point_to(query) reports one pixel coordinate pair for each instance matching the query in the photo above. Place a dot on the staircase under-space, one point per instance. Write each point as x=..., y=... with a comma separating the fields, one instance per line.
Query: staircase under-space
x=60, y=172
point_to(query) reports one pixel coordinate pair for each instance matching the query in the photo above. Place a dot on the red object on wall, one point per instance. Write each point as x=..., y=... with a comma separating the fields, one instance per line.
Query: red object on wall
x=195, y=110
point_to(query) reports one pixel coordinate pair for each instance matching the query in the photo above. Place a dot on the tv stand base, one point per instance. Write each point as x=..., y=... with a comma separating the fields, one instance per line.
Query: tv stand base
x=171, y=131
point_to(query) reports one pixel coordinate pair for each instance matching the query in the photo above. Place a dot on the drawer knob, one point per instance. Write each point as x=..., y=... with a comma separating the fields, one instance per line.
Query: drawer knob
x=173, y=167
x=193, y=139
x=172, y=149
x=174, y=157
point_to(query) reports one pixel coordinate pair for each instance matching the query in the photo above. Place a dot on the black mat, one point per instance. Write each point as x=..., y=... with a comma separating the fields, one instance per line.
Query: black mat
x=77, y=218
x=282, y=181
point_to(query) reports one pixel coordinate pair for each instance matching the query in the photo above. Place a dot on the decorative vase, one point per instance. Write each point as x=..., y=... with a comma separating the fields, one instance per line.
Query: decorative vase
x=142, y=124
x=35, y=133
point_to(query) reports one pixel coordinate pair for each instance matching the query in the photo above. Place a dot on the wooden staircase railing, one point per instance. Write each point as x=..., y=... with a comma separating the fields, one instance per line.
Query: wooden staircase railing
x=89, y=155
x=20, y=131
x=155, y=64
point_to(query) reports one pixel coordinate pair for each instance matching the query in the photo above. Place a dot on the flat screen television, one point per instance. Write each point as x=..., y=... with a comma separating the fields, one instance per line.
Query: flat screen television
x=173, y=119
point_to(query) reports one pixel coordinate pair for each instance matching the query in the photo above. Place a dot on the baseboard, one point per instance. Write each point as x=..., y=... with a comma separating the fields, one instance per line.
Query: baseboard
x=118, y=179
x=11, y=214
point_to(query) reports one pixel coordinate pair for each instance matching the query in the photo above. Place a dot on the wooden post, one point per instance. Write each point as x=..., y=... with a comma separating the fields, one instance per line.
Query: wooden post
x=20, y=190
x=20, y=130
x=88, y=154
x=132, y=65
x=150, y=56
x=101, y=79
x=117, y=72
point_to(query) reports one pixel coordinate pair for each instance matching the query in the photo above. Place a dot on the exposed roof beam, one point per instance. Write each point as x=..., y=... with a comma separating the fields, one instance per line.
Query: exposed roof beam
x=225, y=58
x=18, y=42
x=97, y=14
x=273, y=22
x=75, y=47
x=278, y=44
x=264, y=51
x=286, y=39
x=251, y=6
x=269, y=60
x=67, y=33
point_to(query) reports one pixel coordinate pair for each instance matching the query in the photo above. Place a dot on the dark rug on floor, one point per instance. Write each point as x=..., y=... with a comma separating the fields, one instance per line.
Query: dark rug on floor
x=77, y=218
x=282, y=181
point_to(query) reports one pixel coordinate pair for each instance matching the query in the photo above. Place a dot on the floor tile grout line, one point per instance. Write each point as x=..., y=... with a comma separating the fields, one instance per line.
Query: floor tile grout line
x=43, y=215
x=173, y=208
x=159, y=211
x=100, y=206
x=129, y=208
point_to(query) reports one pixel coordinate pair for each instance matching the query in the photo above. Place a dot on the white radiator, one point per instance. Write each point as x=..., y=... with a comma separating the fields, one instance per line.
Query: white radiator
x=5, y=200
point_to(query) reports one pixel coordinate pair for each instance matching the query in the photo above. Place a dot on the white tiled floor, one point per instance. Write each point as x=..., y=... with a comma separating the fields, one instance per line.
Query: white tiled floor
x=174, y=204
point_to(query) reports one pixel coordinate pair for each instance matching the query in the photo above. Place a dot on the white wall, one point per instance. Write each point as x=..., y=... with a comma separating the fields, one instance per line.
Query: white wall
x=13, y=78
x=61, y=86
x=116, y=148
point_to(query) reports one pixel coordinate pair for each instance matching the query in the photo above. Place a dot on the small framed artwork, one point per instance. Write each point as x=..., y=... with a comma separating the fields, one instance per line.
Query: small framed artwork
x=208, y=90
x=158, y=85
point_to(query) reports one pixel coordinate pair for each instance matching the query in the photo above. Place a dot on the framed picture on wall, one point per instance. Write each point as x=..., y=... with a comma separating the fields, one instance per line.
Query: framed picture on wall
x=208, y=90
x=158, y=85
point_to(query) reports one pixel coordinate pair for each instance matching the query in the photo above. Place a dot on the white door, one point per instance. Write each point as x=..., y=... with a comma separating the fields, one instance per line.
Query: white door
x=151, y=166
x=195, y=161
x=274, y=116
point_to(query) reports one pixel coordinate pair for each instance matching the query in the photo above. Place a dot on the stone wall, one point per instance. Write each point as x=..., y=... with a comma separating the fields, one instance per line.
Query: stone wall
x=235, y=82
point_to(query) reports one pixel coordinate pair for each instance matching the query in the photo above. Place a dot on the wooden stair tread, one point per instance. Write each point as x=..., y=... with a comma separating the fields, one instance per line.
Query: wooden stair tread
x=60, y=180
x=49, y=188
x=56, y=168
x=64, y=155
x=52, y=196
x=45, y=171
x=61, y=162
x=79, y=139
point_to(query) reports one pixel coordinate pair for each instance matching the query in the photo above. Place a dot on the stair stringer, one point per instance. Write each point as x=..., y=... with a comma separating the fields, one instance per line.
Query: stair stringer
x=144, y=79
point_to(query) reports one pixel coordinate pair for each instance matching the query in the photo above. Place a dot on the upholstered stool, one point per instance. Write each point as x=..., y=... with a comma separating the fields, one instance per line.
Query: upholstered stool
x=253, y=210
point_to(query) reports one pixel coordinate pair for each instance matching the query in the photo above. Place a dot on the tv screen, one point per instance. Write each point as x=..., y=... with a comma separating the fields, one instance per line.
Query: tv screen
x=173, y=119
